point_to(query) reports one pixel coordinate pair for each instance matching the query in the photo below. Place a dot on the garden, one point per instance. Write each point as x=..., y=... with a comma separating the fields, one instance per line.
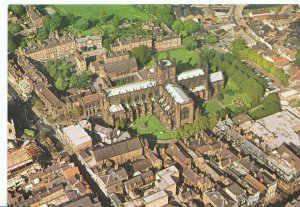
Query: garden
x=185, y=59
x=151, y=127
x=94, y=11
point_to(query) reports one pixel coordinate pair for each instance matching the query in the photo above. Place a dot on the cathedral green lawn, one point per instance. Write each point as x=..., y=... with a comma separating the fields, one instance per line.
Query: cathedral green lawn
x=212, y=106
x=185, y=60
x=91, y=11
x=153, y=129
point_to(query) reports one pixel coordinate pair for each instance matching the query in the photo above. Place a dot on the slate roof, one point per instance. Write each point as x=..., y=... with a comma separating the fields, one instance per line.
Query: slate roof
x=81, y=201
x=120, y=66
x=48, y=95
x=236, y=190
x=141, y=165
x=115, y=149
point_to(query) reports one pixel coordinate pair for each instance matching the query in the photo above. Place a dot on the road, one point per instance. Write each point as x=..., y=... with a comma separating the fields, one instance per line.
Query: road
x=238, y=14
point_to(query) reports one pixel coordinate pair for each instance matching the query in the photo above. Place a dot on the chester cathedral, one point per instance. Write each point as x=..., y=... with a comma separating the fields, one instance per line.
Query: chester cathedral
x=157, y=91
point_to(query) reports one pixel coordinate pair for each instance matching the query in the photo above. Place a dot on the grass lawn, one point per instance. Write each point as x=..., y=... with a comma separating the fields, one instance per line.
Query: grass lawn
x=260, y=10
x=91, y=11
x=185, y=59
x=153, y=129
x=228, y=100
x=92, y=31
x=212, y=106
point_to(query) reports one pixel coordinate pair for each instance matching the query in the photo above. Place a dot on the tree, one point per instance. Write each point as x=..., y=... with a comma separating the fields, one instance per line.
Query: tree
x=17, y=10
x=77, y=110
x=270, y=105
x=190, y=43
x=116, y=20
x=43, y=33
x=11, y=44
x=13, y=28
x=142, y=55
x=55, y=22
x=213, y=120
x=202, y=122
x=61, y=84
x=297, y=61
x=68, y=20
x=211, y=39
x=220, y=96
x=238, y=45
x=178, y=25
x=74, y=81
x=191, y=26
x=82, y=24
x=164, y=13
x=185, y=28
x=103, y=17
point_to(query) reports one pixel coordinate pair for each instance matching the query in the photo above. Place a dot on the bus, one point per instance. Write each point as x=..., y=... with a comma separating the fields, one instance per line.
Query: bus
x=29, y=132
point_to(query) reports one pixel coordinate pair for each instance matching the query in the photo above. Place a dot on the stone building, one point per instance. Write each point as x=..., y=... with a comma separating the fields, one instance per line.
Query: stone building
x=130, y=44
x=34, y=15
x=120, y=68
x=110, y=57
x=119, y=152
x=167, y=42
x=81, y=62
x=161, y=92
x=56, y=47
x=52, y=104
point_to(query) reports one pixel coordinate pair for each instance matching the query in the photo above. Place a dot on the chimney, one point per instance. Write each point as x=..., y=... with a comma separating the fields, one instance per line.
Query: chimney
x=116, y=166
x=261, y=180
x=100, y=87
x=188, y=144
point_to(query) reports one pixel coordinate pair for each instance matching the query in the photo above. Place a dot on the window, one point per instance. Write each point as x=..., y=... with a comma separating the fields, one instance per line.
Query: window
x=185, y=112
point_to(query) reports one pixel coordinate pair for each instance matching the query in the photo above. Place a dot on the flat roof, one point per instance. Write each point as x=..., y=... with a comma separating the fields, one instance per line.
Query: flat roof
x=190, y=74
x=155, y=196
x=282, y=125
x=166, y=179
x=217, y=76
x=289, y=93
x=77, y=134
x=130, y=87
x=177, y=93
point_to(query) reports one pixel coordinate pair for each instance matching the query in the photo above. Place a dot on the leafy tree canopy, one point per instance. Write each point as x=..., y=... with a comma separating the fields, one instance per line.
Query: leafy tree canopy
x=17, y=10
x=82, y=24
x=211, y=39
x=142, y=55
x=297, y=61
x=11, y=44
x=185, y=28
x=238, y=45
x=190, y=43
x=13, y=28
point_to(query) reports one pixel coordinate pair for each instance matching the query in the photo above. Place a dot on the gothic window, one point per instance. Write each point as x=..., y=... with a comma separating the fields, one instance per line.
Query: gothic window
x=185, y=112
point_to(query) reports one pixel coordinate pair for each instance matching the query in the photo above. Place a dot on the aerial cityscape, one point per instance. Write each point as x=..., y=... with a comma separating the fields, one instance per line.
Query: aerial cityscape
x=153, y=105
